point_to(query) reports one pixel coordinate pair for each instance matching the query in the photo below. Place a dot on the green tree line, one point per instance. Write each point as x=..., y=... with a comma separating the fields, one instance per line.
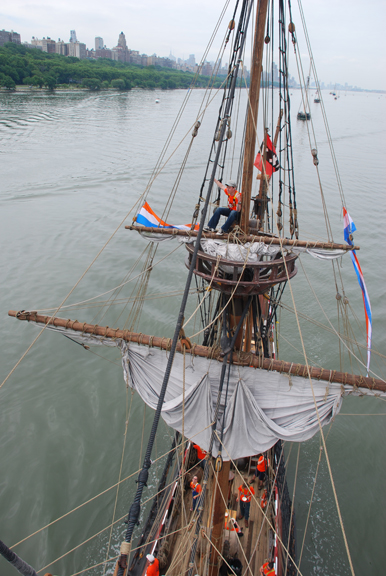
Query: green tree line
x=31, y=67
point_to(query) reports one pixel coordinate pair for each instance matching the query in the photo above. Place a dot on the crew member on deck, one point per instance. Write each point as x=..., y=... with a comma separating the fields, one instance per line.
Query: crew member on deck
x=245, y=496
x=267, y=569
x=261, y=469
x=232, y=211
x=153, y=565
x=196, y=491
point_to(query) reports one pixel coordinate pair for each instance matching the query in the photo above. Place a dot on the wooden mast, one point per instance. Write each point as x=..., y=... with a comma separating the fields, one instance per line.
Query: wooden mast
x=239, y=303
x=254, y=93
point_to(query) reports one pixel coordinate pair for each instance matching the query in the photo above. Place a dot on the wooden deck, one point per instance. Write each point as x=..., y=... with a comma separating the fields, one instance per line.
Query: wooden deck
x=251, y=548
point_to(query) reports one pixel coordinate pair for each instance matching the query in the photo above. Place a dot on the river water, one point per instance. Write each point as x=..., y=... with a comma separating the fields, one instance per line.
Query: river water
x=72, y=166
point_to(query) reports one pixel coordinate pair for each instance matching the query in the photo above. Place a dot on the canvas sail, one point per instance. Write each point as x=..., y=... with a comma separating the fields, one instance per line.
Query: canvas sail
x=257, y=407
x=261, y=407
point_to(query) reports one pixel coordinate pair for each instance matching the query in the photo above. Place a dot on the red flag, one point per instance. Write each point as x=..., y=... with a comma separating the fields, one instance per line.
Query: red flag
x=272, y=161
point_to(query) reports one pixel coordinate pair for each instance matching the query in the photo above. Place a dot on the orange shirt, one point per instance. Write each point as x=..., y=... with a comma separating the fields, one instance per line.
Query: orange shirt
x=200, y=452
x=246, y=493
x=153, y=569
x=262, y=464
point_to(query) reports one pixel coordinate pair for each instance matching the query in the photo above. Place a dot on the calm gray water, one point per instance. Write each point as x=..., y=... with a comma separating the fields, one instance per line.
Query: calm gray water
x=72, y=166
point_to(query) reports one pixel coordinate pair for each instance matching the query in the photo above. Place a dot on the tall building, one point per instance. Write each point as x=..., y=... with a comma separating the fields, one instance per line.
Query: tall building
x=73, y=36
x=106, y=53
x=46, y=44
x=9, y=37
x=98, y=43
x=122, y=41
x=15, y=37
x=207, y=69
x=121, y=51
x=77, y=49
x=61, y=47
x=191, y=61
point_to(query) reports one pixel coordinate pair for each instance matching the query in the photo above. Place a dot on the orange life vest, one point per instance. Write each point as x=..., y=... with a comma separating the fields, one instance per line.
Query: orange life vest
x=267, y=571
x=233, y=200
x=262, y=464
x=195, y=487
x=246, y=493
x=264, y=499
x=153, y=569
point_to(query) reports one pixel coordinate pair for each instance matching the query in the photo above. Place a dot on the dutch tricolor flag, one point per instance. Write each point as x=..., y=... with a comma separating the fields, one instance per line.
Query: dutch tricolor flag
x=348, y=229
x=146, y=217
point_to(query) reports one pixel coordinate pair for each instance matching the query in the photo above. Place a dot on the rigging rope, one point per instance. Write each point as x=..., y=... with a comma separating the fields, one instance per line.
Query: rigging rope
x=309, y=508
x=128, y=412
x=292, y=509
x=329, y=138
x=263, y=512
x=332, y=327
x=229, y=300
x=320, y=424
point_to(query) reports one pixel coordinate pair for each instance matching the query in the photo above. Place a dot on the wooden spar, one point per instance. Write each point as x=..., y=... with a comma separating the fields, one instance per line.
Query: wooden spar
x=253, y=98
x=247, y=238
x=239, y=358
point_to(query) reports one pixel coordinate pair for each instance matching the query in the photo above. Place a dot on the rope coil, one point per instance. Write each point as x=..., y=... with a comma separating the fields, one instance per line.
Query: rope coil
x=125, y=548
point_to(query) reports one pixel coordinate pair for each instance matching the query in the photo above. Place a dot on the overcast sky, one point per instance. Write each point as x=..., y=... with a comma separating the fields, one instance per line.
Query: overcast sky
x=347, y=36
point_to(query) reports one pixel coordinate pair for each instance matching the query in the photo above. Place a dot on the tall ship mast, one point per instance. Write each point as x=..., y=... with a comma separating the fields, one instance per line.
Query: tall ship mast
x=221, y=504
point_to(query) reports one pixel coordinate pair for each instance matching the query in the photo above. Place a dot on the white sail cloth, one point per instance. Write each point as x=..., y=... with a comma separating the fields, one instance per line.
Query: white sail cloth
x=253, y=252
x=261, y=406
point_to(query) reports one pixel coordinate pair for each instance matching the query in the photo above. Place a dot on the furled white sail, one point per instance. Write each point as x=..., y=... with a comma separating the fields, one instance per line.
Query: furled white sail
x=254, y=251
x=261, y=407
x=250, y=251
x=257, y=407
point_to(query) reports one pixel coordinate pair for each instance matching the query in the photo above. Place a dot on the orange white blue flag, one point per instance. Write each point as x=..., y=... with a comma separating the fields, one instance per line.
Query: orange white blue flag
x=147, y=217
x=349, y=228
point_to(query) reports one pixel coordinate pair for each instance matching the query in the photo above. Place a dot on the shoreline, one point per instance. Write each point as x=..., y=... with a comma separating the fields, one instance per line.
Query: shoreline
x=20, y=88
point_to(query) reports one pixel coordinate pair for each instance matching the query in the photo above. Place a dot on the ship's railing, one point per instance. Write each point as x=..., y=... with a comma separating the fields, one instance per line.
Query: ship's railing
x=285, y=520
x=230, y=275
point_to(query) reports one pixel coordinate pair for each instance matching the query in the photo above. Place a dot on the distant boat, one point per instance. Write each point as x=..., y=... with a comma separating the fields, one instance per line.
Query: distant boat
x=303, y=115
x=157, y=101
x=316, y=99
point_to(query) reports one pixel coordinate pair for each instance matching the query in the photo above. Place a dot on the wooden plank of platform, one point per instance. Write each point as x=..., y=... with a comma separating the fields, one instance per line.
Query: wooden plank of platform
x=249, y=541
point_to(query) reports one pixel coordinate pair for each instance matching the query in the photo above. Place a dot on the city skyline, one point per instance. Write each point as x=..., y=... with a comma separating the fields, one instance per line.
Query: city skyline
x=122, y=53
x=183, y=29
